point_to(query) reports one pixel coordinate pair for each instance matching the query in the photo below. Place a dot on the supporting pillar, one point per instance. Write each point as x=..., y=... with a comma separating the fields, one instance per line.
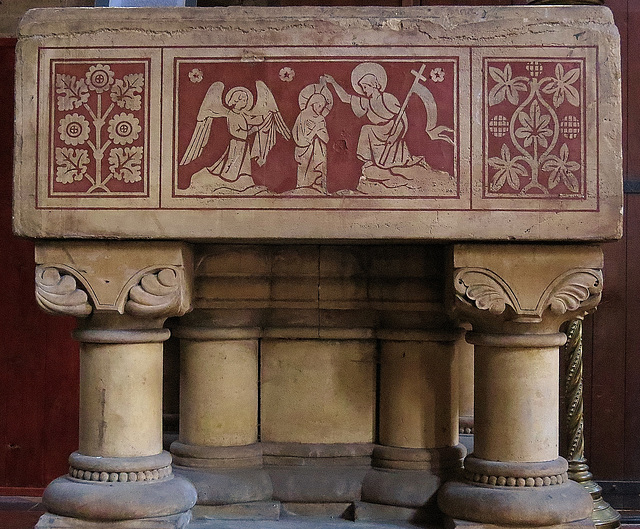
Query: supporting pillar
x=218, y=449
x=120, y=472
x=418, y=428
x=516, y=299
x=465, y=363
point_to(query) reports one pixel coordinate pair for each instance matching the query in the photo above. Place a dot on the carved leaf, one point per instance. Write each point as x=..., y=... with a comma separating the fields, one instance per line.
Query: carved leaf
x=125, y=164
x=58, y=293
x=124, y=92
x=573, y=290
x=72, y=92
x=71, y=164
x=157, y=294
x=482, y=290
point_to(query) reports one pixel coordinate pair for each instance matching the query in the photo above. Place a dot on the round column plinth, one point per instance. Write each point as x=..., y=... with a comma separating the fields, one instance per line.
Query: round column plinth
x=523, y=494
x=113, y=488
x=409, y=477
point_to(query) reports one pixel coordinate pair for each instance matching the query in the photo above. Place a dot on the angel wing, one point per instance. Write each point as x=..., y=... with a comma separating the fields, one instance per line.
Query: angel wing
x=266, y=115
x=210, y=108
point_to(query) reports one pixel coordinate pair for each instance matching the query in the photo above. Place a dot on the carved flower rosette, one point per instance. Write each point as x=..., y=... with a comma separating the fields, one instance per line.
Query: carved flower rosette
x=534, y=122
x=98, y=128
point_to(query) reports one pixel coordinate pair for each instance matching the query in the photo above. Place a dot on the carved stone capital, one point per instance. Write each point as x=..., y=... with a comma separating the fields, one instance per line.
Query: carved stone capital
x=525, y=284
x=145, y=280
x=57, y=292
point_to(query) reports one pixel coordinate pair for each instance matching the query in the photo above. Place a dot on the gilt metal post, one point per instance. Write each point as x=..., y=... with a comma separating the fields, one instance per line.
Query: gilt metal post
x=604, y=516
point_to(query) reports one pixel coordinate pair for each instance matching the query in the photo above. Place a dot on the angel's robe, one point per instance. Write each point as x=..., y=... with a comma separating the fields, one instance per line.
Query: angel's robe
x=235, y=161
x=311, y=137
x=379, y=144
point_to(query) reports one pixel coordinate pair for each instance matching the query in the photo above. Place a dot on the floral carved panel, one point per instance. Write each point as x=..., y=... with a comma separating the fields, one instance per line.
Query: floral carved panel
x=99, y=128
x=535, y=128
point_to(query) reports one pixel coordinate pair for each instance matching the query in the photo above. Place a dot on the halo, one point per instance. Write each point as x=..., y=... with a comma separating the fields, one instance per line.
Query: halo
x=363, y=69
x=310, y=90
x=232, y=91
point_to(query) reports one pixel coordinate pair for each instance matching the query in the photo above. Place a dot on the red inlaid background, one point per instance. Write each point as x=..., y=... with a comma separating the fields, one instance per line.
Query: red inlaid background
x=494, y=144
x=79, y=69
x=344, y=169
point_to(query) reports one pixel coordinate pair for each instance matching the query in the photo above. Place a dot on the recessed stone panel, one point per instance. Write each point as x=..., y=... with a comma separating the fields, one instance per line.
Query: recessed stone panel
x=425, y=123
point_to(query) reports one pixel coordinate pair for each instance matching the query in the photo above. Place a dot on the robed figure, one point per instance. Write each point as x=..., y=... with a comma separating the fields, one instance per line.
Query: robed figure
x=311, y=137
x=252, y=129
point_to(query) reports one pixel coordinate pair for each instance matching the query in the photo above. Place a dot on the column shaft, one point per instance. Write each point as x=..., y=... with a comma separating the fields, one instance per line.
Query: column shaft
x=120, y=399
x=219, y=392
x=418, y=394
x=516, y=403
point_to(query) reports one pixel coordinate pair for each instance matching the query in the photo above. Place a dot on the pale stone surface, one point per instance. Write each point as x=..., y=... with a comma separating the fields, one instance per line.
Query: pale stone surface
x=315, y=391
x=219, y=392
x=108, y=278
x=418, y=394
x=121, y=399
x=499, y=139
x=517, y=403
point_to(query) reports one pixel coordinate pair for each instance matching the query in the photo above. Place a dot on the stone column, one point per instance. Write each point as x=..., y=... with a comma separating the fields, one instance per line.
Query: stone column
x=465, y=363
x=123, y=292
x=218, y=449
x=516, y=297
x=418, y=427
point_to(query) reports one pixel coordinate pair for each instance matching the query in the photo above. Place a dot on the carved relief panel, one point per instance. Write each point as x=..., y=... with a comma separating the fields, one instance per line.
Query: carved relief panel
x=258, y=129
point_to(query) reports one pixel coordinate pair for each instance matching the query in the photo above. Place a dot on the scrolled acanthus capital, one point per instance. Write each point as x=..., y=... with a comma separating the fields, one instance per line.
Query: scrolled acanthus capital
x=130, y=283
x=484, y=297
x=158, y=293
x=59, y=292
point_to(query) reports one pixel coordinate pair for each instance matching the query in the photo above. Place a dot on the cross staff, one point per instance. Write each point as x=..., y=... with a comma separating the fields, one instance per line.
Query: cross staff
x=417, y=78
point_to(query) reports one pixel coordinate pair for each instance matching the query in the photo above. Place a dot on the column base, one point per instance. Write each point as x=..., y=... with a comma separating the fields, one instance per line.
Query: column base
x=317, y=473
x=54, y=521
x=129, y=501
x=223, y=475
x=410, y=478
x=453, y=523
x=513, y=493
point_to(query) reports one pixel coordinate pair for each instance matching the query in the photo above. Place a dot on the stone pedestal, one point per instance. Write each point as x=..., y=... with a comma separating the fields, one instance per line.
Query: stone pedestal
x=417, y=448
x=319, y=161
x=120, y=472
x=218, y=448
x=516, y=299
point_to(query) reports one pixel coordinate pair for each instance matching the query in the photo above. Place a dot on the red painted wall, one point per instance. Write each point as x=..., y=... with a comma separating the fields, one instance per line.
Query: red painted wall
x=38, y=358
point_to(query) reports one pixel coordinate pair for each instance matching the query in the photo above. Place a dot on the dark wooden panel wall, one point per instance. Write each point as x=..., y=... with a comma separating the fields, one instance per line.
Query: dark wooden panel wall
x=612, y=342
x=39, y=361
